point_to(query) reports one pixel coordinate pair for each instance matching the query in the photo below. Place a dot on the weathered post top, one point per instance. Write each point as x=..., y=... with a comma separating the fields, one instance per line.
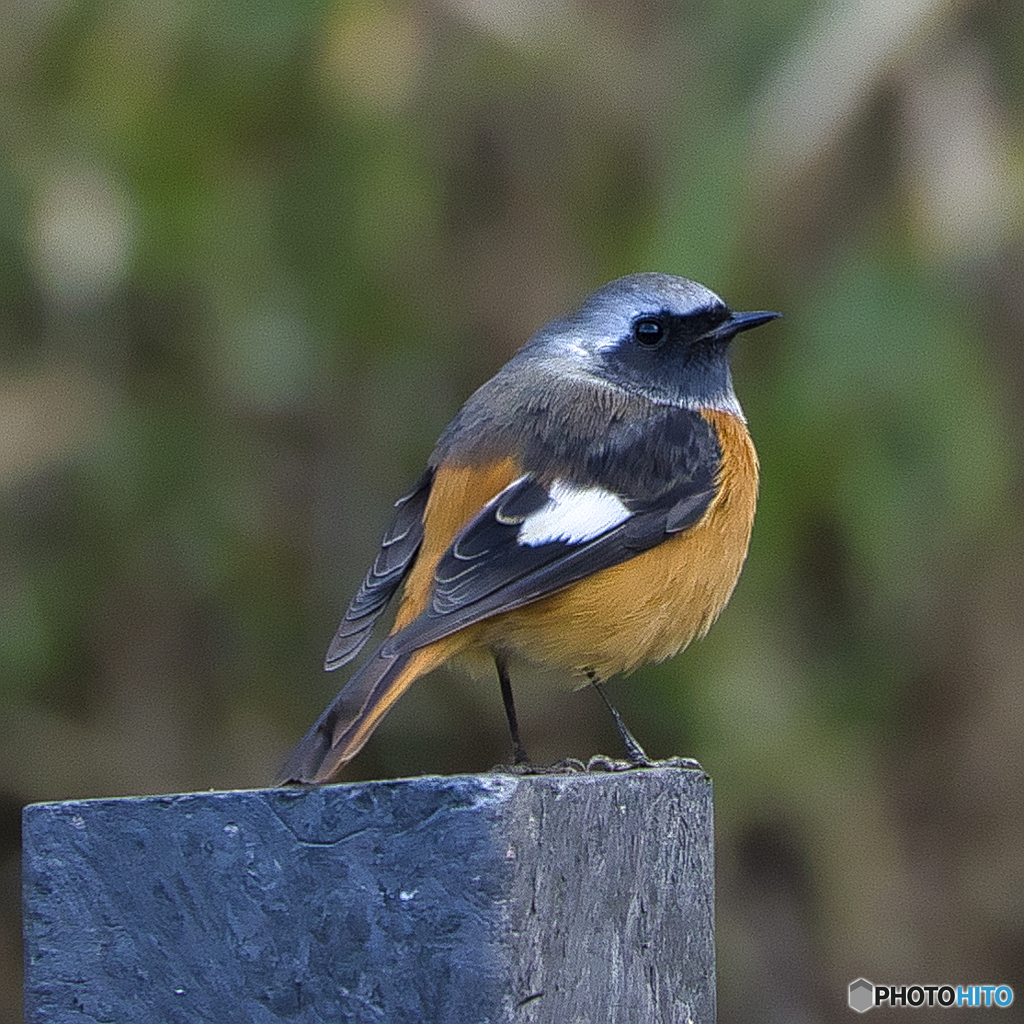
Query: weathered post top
x=584, y=897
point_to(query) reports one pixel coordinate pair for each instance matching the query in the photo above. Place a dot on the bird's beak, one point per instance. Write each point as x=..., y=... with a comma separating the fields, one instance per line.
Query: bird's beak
x=743, y=322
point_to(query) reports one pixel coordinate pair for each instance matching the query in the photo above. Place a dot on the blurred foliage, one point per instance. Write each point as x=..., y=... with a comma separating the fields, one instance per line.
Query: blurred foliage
x=252, y=258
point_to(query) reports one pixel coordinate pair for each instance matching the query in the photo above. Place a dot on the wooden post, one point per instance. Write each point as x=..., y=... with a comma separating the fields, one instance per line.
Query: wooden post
x=584, y=897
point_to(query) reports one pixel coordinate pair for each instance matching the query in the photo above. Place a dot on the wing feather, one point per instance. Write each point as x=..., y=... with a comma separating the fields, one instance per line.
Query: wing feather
x=398, y=549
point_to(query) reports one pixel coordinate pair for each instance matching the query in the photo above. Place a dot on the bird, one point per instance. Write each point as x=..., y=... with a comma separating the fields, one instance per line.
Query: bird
x=588, y=509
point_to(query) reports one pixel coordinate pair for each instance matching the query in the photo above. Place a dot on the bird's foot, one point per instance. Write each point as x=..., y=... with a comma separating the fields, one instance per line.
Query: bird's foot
x=597, y=763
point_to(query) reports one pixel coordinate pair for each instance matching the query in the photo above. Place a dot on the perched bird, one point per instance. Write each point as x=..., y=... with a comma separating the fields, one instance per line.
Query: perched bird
x=588, y=509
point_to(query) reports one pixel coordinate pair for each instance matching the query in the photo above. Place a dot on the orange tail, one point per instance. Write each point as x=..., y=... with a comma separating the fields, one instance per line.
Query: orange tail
x=340, y=732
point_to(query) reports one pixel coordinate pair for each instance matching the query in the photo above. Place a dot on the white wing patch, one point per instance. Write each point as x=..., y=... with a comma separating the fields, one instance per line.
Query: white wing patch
x=572, y=514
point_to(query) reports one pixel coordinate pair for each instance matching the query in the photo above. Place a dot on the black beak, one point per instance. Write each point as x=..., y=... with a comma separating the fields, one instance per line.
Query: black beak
x=742, y=322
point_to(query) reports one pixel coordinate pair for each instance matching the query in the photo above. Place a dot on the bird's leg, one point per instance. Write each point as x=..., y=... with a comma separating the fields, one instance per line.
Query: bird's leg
x=519, y=755
x=635, y=754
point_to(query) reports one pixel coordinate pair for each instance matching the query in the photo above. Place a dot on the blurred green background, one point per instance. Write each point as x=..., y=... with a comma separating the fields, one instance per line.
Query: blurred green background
x=253, y=256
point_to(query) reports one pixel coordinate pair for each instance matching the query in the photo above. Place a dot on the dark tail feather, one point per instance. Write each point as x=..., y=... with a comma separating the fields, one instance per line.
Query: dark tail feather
x=340, y=732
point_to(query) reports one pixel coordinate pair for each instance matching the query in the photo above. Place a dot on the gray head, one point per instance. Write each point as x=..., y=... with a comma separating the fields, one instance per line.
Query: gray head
x=663, y=337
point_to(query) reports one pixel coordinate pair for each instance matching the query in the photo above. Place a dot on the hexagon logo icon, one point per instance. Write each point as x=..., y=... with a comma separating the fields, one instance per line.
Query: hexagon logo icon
x=862, y=995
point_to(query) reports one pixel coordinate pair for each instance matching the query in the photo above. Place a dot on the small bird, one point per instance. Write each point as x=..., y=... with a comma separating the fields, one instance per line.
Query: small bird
x=589, y=509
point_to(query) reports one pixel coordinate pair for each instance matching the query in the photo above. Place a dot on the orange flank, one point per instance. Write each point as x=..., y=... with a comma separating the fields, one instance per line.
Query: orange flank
x=457, y=494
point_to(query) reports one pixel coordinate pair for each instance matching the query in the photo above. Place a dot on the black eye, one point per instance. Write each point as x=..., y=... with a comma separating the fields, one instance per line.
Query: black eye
x=649, y=331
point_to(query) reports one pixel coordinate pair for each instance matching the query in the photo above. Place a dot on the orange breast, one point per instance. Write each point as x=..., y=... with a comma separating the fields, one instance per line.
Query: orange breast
x=648, y=608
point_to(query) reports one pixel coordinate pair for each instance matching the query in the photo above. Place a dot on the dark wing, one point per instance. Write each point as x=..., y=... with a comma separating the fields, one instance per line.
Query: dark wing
x=397, y=552
x=534, y=539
